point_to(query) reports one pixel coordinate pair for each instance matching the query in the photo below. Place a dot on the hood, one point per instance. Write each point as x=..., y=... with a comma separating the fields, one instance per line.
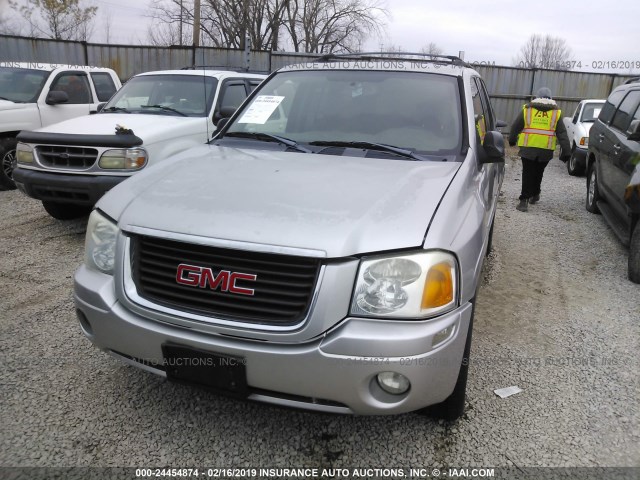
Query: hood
x=143, y=126
x=544, y=104
x=334, y=204
x=9, y=105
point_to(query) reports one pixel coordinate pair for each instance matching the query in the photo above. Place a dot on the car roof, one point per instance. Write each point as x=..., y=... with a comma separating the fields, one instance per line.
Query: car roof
x=391, y=62
x=219, y=74
x=49, y=67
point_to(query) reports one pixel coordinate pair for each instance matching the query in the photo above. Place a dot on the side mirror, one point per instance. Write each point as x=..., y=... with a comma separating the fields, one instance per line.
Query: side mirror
x=225, y=112
x=100, y=106
x=54, y=97
x=492, y=148
x=634, y=131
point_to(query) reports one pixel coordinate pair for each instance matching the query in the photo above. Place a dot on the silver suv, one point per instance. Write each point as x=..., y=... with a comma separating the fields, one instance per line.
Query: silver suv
x=323, y=251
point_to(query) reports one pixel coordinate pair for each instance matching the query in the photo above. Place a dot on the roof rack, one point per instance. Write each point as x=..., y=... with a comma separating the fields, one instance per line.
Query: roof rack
x=427, y=57
x=225, y=68
x=632, y=80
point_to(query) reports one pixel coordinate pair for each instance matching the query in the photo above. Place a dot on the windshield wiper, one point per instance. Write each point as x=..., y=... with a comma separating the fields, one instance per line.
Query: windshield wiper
x=167, y=109
x=115, y=109
x=267, y=137
x=383, y=147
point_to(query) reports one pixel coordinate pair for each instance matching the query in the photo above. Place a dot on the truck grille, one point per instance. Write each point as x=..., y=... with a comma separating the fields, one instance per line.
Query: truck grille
x=283, y=287
x=74, y=158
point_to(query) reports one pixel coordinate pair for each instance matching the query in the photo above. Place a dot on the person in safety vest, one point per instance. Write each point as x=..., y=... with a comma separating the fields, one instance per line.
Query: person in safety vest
x=535, y=130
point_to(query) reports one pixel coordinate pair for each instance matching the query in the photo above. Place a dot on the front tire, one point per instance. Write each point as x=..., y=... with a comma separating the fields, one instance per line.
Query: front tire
x=65, y=211
x=572, y=164
x=593, y=195
x=7, y=163
x=634, y=255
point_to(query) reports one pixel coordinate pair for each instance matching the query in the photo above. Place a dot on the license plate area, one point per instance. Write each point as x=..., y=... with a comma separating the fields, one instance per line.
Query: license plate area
x=222, y=373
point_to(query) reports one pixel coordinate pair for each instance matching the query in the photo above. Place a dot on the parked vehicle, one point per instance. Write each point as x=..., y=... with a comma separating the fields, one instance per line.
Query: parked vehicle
x=324, y=251
x=612, y=173
x=70, y=165
x=578, y=131
x=34, y=95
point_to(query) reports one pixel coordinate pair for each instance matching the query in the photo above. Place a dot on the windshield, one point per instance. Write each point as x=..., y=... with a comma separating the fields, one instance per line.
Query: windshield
x=591, y=111
x=176, y=95
x=414, y=111
x=21, y=85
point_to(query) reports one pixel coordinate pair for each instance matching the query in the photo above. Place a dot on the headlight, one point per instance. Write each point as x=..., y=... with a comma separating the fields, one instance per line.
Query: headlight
x=584, y=141
x=24, y=153
x=100, y=243
x=418, y=285
x=123, y=159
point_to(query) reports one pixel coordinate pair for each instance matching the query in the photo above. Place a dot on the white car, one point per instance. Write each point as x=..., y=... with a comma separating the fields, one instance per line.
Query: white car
x=70, y=165
x=34, y=95
x=578, y=131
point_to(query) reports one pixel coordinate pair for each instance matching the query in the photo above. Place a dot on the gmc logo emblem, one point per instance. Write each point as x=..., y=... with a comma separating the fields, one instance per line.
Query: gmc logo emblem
x=225, y=281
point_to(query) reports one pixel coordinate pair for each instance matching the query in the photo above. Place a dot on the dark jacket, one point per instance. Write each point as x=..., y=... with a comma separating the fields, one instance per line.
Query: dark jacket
x=541, y=154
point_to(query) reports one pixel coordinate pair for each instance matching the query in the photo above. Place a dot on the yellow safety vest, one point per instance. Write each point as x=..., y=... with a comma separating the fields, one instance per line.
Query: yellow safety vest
x=539, y=128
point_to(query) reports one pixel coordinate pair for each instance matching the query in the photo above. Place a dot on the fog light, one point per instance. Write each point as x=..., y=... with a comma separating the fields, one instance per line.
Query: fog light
x=394, y=383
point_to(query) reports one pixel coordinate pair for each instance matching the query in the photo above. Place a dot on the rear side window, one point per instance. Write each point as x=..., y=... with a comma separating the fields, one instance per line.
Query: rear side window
x=622, y=117
x=105, y=88
x=610, y=106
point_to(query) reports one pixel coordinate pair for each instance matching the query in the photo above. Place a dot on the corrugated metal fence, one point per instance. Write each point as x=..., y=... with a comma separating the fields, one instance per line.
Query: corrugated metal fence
x=509, y=87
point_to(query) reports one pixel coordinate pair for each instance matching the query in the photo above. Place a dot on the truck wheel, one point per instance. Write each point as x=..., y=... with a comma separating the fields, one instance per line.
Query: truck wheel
x=572, y=164
x=7, y=163
x=65, y=211
x=634, y=255
x=593, y=195
x=453, y=406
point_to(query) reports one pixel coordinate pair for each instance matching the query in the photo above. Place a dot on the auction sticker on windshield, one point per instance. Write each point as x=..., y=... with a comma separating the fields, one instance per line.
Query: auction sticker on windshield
x=261, y=109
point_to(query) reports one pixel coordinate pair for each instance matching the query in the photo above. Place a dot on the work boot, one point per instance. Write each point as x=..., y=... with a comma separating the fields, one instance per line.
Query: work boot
x=535, y=199
x=523, y=206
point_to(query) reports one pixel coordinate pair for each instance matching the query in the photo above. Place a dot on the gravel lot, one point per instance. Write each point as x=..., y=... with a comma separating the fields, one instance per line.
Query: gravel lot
x=556, y=316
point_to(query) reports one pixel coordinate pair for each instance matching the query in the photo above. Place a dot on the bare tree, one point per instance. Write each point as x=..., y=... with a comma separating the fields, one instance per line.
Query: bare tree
x=223, y=23
x=58, y=19
x=306, y=25
x=432, y=49
x=545, y=52
x=324, y=26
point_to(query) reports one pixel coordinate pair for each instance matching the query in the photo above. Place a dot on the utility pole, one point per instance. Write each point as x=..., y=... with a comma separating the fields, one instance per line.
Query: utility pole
x=180, y=23
x=196, y=24
x=245, y=25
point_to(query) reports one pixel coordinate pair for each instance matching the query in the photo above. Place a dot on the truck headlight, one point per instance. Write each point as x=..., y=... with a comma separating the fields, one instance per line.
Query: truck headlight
x=123, y=159
x=417, y=285
x=100, y=243
x=24, y=153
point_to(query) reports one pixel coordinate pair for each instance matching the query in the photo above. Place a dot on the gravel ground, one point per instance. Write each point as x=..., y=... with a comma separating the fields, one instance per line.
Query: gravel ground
x=556, y=316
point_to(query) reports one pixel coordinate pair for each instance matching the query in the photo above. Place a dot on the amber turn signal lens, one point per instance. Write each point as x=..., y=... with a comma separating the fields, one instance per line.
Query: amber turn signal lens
x=438, y=288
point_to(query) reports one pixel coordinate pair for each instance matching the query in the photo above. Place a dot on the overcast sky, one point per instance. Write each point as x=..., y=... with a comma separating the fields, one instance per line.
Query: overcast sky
x=487, y=31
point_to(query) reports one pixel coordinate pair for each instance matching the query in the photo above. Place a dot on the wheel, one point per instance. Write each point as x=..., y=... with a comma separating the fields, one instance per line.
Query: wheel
x=65, y=211
x=572, y=164
x=7, y=163
x=593, y=195
x=634, y=255
x=452, y=407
